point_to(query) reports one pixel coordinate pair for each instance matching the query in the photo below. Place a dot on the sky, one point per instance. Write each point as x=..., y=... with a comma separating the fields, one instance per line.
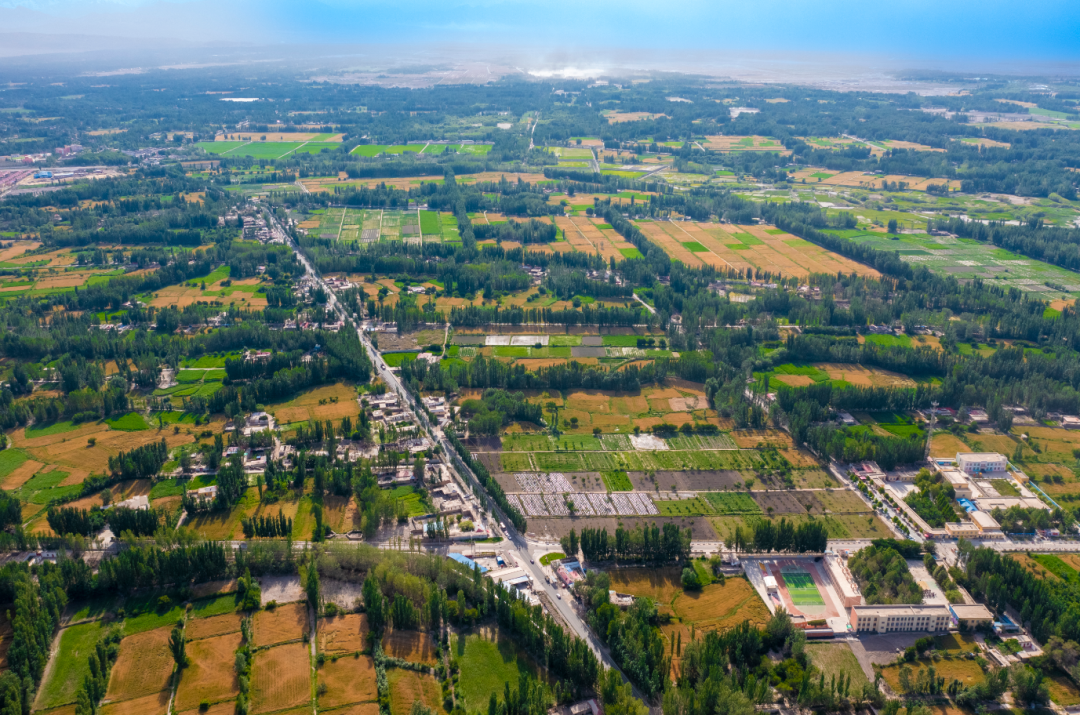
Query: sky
x=960, y=31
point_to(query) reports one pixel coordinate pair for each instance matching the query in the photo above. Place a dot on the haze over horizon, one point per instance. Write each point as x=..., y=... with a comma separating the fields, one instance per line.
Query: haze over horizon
x=954, y=35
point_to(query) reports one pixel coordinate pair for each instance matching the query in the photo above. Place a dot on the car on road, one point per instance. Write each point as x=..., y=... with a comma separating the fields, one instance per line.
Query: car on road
x=532, y=560
x=558, y=595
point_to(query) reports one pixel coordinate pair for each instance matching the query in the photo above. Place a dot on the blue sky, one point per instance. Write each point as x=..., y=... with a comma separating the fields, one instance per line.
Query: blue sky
x=952, y=29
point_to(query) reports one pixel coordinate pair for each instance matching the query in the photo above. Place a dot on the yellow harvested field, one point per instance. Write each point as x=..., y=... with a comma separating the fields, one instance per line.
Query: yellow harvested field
x=213, y=626
x=307, y=406
x=343, y=634
x=153, y=704
x=753, y=438
x=865, y=376
x=21, y=475
x=348, y=680
x=865, y=180
x=211, y=675
x=896, y=144
x=284, y=623
x=144, y=666
x=70, y=450
x=281, y=678
x=762, y=247
x=184, y=295
x=17, y=248
x=946, y=445
x=722, y=606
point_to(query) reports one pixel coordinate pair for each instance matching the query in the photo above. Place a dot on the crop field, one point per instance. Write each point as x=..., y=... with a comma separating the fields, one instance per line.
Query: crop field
x=330, y=402
x=211, y=675
x=281, y=678
x=244, y=293
x=967, y=259
x=857, y=179
x=350, y=679
x=743, y=143
x=413, y=646
x=740, y=247
x=343, y=634
x=144, y=666
x=284, y=623
x=153, y=704
x=593, y=235
x=408, y=687
x=198, y=628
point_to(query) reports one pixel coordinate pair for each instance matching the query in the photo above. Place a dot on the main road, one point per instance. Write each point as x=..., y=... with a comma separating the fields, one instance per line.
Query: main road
x=519, y=546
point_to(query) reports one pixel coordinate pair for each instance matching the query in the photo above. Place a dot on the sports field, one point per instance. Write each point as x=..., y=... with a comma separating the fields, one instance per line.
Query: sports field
x=267, y=149
x=801, y=588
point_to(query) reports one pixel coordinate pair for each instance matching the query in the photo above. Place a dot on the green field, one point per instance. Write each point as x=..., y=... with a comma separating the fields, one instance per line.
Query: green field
x=967, y=258
x=71, y=665
x=54, y=428
x=131, y=422
x=802, y=590
x=486, y=666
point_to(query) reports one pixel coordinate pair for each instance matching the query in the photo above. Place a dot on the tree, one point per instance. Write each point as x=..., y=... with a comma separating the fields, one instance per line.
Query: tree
x=418, y=470
x=1027, y=685
x=690, y=579
x=178, y=647
x=311, y=586
x=892, y=225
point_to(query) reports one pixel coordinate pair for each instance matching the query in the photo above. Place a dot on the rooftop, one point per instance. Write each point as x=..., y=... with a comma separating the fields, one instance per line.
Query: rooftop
x=977, y=610
x=984, y=520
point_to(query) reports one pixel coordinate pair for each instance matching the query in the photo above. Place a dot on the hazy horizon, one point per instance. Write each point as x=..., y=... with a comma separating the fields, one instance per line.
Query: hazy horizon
x=774, y=36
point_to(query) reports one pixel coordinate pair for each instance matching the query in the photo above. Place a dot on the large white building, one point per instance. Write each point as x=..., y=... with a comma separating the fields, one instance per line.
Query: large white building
x=896, y=618
x=975, y=463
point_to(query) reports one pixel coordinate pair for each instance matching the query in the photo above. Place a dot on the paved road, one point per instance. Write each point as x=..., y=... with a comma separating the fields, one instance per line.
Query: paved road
x=520, y=548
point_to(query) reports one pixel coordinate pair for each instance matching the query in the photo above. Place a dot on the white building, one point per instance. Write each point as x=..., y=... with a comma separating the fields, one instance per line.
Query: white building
x=981, y=462
x=895, y=618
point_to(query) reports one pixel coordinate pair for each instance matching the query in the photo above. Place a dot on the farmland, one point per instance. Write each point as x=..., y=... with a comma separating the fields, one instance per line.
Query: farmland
x=966, y=258
x=763, y=248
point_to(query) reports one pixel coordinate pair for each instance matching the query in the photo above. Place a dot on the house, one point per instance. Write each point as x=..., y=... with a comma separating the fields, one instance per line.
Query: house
x=1070, y=422
x=962, y=530
x=978, y=416
x=847, y=419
